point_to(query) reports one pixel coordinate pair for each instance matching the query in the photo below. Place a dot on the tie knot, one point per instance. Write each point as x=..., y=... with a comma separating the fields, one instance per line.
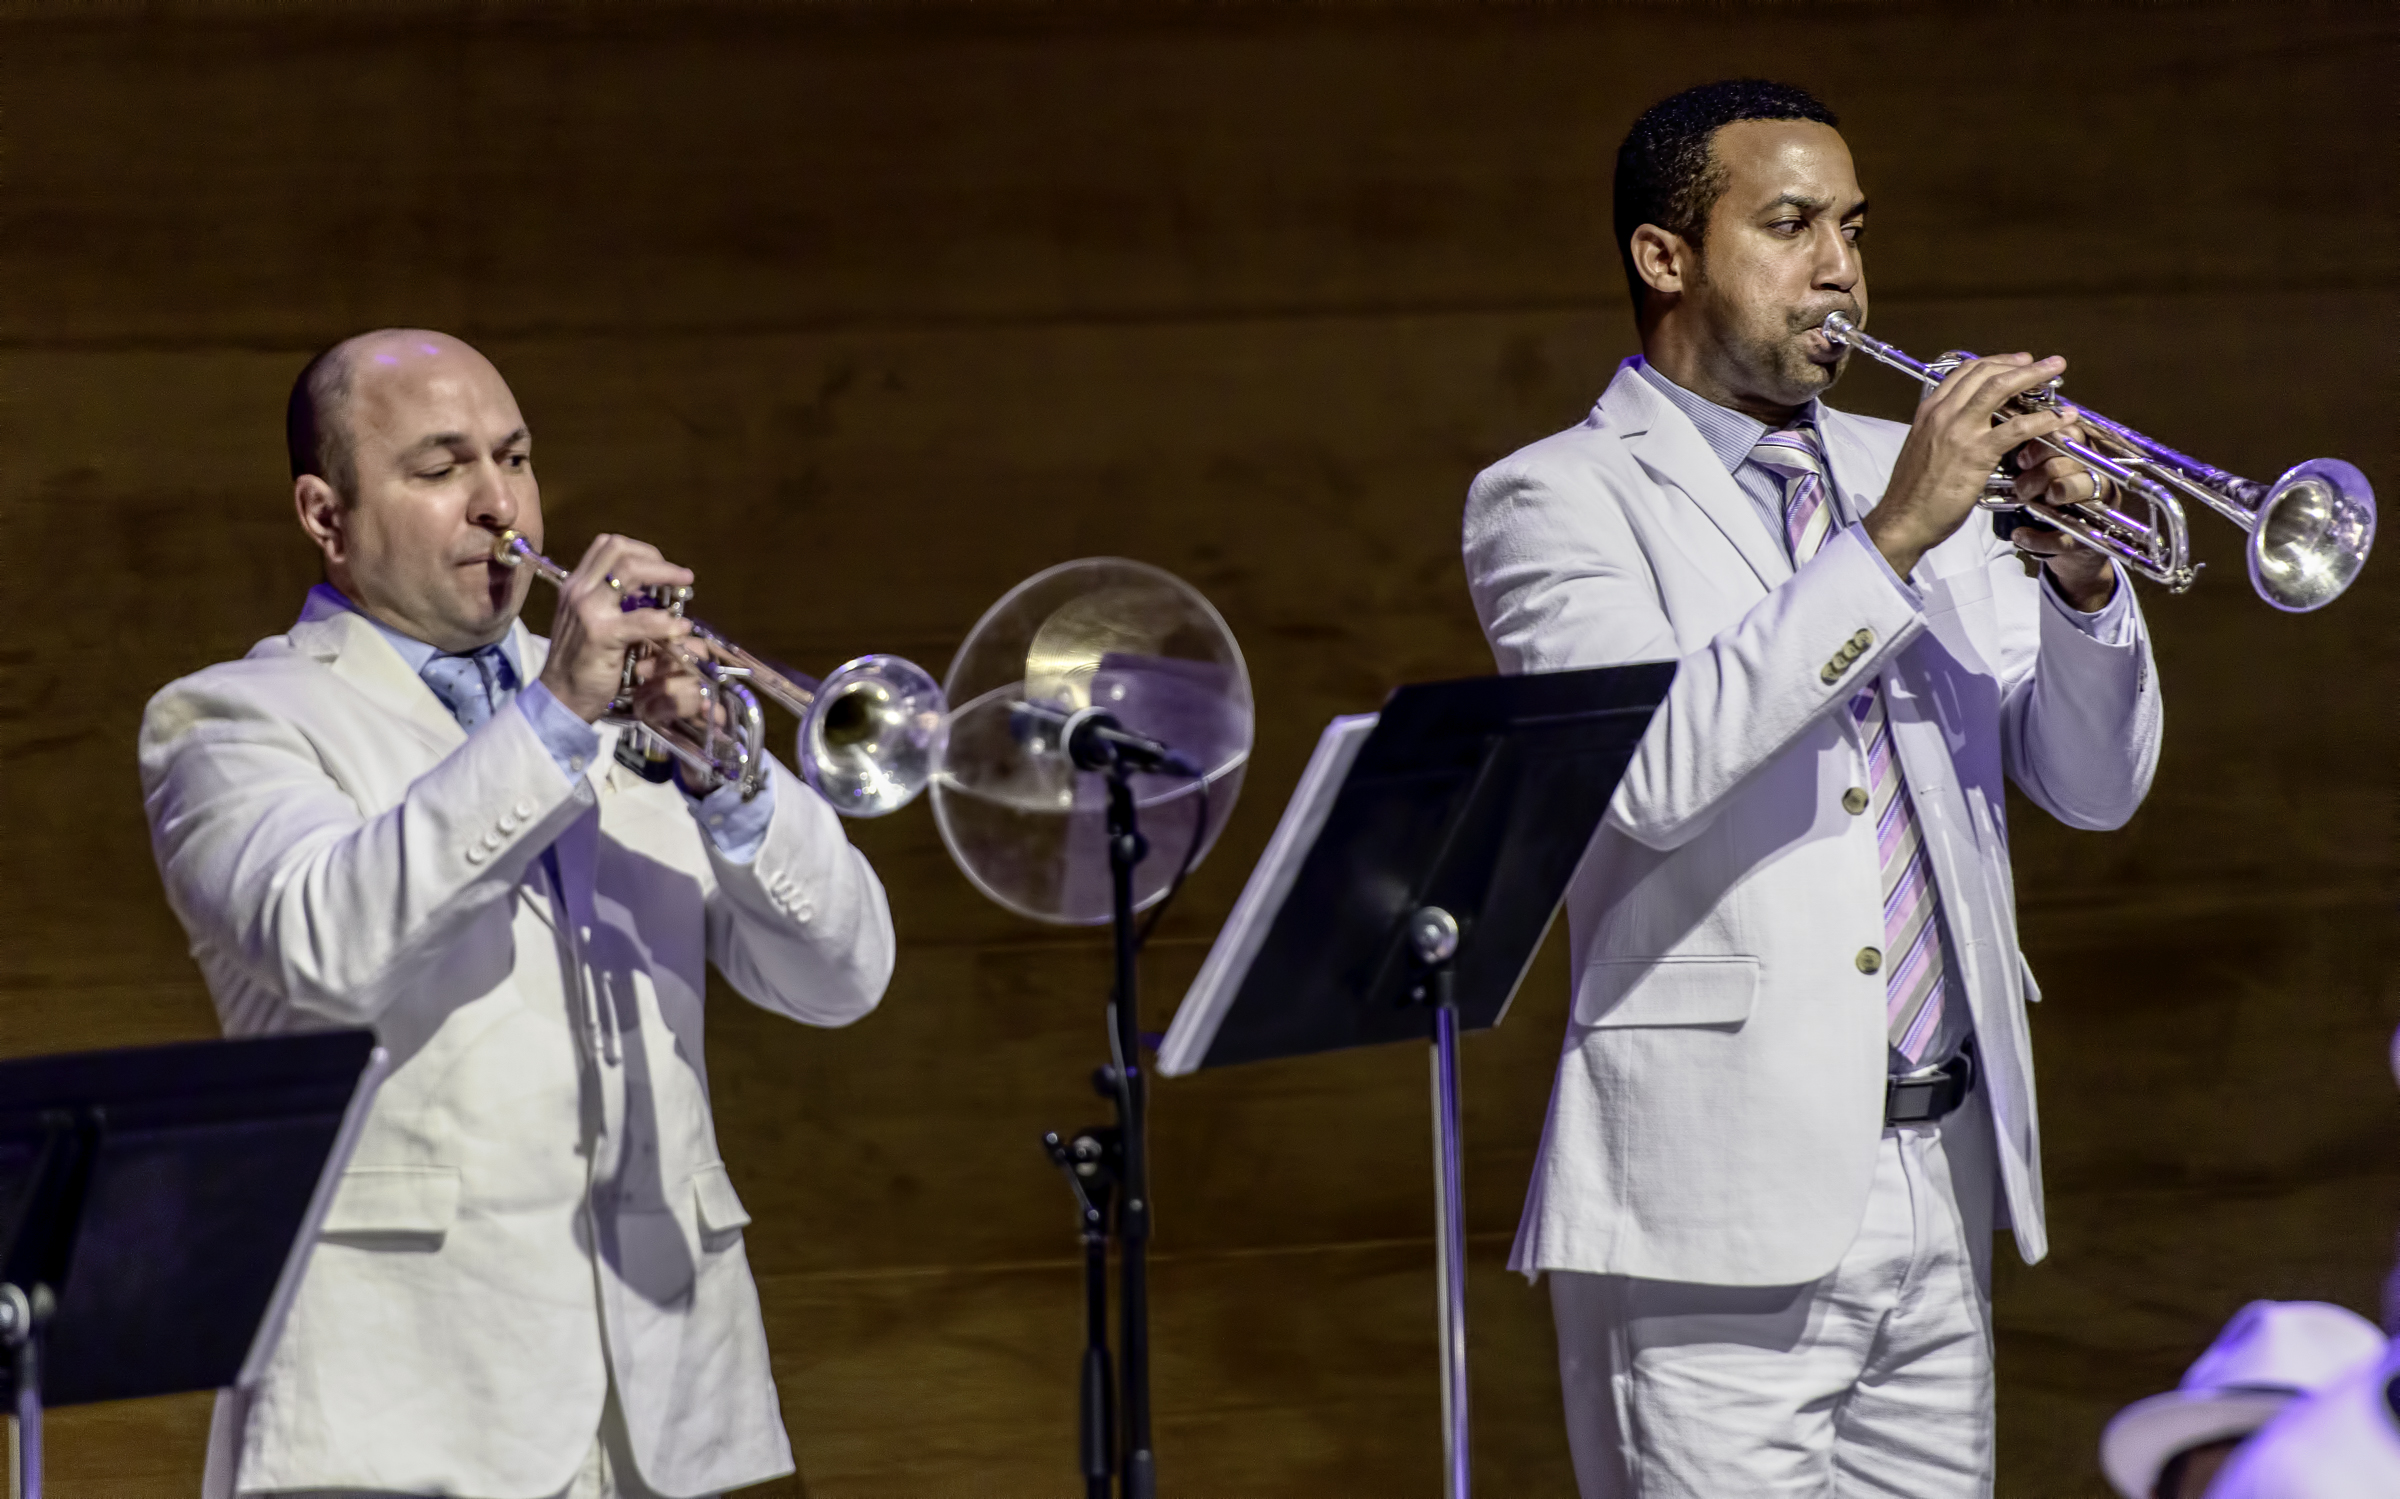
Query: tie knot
x=1790, y=452
x=470, y=684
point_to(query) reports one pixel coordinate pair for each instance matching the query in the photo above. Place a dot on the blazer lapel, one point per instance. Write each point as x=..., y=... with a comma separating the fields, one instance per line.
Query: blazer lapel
x=357, y=653
x=1851, y=464
x=1663, y=440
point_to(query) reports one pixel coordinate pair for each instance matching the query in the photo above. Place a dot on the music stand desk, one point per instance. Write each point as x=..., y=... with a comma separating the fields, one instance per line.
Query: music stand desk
x=1405, y=893
x=156, y=1210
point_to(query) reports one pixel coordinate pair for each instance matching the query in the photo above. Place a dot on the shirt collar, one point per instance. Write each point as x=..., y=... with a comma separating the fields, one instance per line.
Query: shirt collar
x=326, y=601
x=1730, y=434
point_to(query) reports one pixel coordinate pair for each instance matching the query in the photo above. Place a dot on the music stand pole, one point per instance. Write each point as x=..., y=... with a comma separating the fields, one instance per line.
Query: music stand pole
x=1125, y=850
x=22, y=1336
x=1433, y=940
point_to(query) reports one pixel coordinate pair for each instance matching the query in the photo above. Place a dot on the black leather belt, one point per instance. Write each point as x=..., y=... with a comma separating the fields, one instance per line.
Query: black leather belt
x=1922, y=1097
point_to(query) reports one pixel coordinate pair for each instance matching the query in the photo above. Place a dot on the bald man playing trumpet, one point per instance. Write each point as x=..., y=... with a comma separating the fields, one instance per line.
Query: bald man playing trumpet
x=406, y=812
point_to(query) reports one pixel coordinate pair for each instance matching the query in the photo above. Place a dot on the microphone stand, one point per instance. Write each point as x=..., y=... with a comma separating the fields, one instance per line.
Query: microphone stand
x=1125, y=849
x=1110, y=1168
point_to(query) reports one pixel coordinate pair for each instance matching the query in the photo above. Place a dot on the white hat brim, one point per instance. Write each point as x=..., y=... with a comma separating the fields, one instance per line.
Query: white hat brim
x=2146, y=1434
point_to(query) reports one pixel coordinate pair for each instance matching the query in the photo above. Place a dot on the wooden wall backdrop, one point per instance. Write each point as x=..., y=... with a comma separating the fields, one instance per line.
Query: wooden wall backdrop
x=869, y=312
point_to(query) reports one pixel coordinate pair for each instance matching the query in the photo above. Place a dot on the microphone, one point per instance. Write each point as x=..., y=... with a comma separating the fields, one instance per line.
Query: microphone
x=1095, y=740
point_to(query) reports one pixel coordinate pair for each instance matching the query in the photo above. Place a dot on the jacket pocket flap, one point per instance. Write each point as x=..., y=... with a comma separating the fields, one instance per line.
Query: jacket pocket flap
x=1667, y=991
x=720, y=1210
x=420, y=1201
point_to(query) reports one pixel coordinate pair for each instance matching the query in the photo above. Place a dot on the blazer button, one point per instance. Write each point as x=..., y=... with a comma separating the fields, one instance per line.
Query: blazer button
x=1854, y=800
x=1863, y=639
x=475, y=856
x=1869, y=959
x=1829, y=673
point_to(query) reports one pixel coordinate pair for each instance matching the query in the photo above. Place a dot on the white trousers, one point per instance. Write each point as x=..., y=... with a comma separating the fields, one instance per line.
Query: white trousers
x=1874, y=1380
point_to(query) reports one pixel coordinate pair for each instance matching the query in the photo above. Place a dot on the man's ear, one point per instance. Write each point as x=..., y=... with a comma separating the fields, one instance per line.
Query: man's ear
x=1659, y=258
x=323, y=517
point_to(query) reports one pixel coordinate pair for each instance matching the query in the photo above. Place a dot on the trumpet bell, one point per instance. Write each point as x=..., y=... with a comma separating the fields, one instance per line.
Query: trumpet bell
x=2312, y=535
x=873, y=737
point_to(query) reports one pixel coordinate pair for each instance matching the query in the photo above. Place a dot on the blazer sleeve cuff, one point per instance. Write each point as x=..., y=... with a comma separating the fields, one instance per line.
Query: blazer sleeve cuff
x=2111, y=624
x=499, y=800
x=1906, y=590
x=1742, y=699
x=803, y=926
x=1850, y=583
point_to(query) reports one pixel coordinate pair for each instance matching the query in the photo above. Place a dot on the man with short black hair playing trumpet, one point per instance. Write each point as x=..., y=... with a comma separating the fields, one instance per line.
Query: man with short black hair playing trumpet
x=1797, y=1080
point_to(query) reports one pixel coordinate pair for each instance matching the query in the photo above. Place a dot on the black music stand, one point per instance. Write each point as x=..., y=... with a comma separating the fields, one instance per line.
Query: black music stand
x=156, y=1210
x=1404, y=895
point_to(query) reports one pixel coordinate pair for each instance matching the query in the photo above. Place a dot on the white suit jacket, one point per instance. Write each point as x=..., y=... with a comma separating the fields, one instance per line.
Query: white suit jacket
x=1720, y=1095
x=538, y=1188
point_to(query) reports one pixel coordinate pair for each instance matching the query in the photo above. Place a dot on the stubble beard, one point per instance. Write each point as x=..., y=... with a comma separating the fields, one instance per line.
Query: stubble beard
x=1771, y=357
x=1782, y=357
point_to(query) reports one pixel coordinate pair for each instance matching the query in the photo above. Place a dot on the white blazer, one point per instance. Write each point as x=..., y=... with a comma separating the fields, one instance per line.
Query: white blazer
x=1720, y=1094
x=538, y=1188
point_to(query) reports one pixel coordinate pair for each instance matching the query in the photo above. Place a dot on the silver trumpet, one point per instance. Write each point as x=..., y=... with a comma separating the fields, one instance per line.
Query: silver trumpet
x=870, y=734
x=2309, y=530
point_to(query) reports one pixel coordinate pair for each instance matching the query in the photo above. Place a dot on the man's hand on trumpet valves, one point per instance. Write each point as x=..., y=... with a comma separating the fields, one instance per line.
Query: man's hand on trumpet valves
x=593, y=628
x=1953, y=445
x=671, y=689
x=2083, y=574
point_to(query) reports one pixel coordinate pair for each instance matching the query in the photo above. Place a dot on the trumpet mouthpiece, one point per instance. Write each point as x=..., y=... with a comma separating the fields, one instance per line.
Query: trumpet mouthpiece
x=507, y=548
x=1838, y=327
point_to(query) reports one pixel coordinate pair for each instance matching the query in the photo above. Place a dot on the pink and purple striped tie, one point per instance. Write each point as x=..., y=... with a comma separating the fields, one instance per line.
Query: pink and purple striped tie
x=1914, y=983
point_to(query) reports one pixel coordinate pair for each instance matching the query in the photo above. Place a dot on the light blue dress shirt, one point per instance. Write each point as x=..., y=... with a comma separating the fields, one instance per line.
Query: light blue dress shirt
x=737, y=828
